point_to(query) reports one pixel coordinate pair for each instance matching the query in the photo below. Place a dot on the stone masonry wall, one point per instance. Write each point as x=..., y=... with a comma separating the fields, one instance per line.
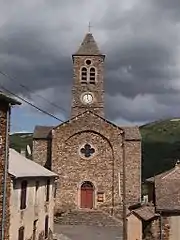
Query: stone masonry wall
x=102, y=169
x=133, y=171
x=97, y=89
x=3, y=122
x=42, y=152
x=152, y=231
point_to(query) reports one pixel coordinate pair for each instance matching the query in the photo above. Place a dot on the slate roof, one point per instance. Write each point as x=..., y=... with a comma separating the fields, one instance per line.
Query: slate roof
x=8, y=99
x=20, y=166
x=88, y=46
x=132, y=133
x=163, y=174
x=42, y=132
x=167, y=191
x=144, y=212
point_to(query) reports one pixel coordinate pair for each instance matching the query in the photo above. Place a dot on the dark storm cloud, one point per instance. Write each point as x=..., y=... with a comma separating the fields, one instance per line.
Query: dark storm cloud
x=143, y=61
x=140, y=38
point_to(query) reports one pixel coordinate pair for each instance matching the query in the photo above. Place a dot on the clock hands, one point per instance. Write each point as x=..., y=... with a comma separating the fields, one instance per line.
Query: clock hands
x=87, y=98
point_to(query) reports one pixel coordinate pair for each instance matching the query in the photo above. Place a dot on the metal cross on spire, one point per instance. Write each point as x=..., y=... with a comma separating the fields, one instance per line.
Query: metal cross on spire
x=89, y=27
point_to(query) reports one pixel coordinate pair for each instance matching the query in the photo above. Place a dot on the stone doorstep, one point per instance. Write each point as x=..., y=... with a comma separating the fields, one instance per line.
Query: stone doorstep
x=72, y=221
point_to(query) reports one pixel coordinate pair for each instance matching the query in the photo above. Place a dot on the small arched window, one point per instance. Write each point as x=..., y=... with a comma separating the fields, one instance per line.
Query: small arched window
x=23, y=194
x=46, y=230
x=21, y=233
x=92, y=75
x=84, y=75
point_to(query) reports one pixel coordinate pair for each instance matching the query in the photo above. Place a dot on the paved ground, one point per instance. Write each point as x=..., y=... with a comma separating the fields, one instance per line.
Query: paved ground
x=77, y=232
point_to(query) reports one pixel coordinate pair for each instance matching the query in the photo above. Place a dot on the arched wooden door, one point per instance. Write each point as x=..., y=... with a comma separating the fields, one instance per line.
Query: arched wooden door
x=87, y=195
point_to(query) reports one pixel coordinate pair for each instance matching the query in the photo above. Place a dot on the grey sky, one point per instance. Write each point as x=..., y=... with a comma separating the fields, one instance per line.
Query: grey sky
x=140, y=39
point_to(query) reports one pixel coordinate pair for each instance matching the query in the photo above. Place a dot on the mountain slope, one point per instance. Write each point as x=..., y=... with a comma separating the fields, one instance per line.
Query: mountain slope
x=160, y=146
x=19, y=141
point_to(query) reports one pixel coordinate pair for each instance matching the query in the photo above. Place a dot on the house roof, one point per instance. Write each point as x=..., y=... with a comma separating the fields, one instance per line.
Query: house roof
x=131, y=132
x=20, y=166
x=165, y=174
x=88, y=46
x=42, y=132
x=167, y=192
x=8, y=99
x=144, y=212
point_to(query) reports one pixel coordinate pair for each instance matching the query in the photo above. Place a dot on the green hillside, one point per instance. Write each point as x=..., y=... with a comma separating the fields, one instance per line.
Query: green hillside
x=160, y=145
x=19, y=141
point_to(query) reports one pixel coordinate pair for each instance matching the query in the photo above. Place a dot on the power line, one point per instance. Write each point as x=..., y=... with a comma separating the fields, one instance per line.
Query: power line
x=31, y=104
x=28, y=89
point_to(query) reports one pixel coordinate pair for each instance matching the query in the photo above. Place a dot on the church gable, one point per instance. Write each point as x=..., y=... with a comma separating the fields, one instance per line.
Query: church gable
x=87, y=121
x=89, y=148
x=91, y=121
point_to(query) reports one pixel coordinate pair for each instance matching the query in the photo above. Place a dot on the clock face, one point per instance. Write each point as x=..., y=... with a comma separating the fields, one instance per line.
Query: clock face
x=87, y=98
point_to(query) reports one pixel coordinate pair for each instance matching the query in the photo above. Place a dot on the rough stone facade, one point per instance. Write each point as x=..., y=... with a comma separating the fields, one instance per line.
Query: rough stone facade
x=156, y=230
x=5, y=103
x=104, y=167
x=43, y=152
x=97, y=89
x=3, y=124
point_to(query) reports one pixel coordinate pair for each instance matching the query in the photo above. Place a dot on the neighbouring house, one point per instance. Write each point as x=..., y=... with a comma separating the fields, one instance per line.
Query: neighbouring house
x=6, y=102
x=32, y=198
x=142, y=222
x=164, y=205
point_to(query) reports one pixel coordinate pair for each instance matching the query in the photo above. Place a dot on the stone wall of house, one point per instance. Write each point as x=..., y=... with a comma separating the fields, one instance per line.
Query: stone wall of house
x=153, y=228
x=3, y=123
x=103, y=168
x=42, y=152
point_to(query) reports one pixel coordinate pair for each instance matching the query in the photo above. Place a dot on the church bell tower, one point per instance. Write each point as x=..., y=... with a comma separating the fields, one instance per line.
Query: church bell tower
x=88, y=86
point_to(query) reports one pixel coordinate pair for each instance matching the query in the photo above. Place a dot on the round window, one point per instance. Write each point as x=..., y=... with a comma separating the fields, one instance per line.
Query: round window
x=88, y=62
x=87, y=151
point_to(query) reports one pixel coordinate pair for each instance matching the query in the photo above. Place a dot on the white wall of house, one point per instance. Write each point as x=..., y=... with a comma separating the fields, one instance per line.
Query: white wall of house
x=36, y=207
x=134, y=228
x=174, y=227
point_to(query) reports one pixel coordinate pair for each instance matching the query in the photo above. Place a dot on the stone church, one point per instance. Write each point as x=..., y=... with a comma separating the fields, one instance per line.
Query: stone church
x=89, y=152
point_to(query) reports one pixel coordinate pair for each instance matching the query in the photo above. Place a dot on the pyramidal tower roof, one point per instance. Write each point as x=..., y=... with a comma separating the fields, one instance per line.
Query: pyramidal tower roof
x=88, y=46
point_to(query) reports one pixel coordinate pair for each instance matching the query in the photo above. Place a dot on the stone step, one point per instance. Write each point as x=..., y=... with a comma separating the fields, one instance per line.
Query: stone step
x=90, y=217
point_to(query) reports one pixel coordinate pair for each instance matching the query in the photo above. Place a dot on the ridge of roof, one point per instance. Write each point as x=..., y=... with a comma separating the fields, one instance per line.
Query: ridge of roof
x=163, y=175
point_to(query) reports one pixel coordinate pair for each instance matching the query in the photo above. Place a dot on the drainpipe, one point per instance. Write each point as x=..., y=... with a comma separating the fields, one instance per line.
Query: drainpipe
x=161, y=226
x=5, y=174
x=124, y=188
